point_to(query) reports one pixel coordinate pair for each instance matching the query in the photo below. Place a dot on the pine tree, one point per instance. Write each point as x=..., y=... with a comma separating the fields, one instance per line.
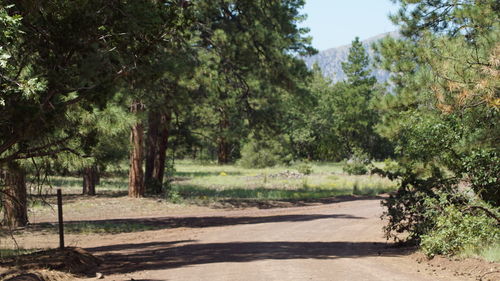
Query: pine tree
x=443, y=113
x=357, y=67
x=354, y=116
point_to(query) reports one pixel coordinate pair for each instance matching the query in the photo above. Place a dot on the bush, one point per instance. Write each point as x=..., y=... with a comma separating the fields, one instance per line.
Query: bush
x=355, y=168
x=305, y=168
x=261, y=154
x=173, y=196
x=457, y=230
x=406, y=211
x=357, y=164
x=483, y=170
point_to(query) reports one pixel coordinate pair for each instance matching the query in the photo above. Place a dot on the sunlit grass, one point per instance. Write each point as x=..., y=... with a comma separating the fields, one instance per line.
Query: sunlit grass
x=230, y=181
x=108, y=183
x=489, y=253
x=257, y=193
x=193, y=180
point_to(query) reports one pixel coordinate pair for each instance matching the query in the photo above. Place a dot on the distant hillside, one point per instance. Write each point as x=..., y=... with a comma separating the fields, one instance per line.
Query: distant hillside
x=330, y=60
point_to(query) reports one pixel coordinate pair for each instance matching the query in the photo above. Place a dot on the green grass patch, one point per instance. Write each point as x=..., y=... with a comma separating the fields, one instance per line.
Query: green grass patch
x=197, y=192
x=213, y=182
x=96, y=227
x=194, y=180
x=77, y=183
x=107, y=227
x=489, y=253
x=8, y=253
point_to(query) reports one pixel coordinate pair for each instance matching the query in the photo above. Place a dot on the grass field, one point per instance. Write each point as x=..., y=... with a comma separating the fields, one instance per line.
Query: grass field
x=193, y=181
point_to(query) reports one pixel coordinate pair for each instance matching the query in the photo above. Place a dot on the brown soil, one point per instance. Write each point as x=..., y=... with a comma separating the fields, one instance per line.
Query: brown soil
x=335, y=240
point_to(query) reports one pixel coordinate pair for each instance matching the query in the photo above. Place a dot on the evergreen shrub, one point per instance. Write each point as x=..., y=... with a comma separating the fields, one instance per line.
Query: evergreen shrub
x=261, y=154
x=358, y=163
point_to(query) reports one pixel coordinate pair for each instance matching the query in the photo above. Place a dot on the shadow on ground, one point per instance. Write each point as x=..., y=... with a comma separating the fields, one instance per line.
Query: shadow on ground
x=68, y=198
x=127, y=258
x=283, y=203
x=143, y=224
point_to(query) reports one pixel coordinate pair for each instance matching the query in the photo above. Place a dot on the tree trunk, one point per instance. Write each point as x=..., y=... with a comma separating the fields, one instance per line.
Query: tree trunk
x=151, y=145
x=156, y=150
x=222, y=151
x=222, y=143
x=90, y=176
x=194, y=150
x=136, y=174
x=14, y=196
x=162, y=144
x=97, y=175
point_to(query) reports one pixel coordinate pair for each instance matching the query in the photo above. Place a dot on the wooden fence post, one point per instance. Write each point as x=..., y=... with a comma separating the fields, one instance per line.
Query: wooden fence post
x=60, y=218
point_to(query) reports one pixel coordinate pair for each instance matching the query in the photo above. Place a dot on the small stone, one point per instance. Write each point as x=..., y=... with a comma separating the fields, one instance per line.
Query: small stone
x=99, y=275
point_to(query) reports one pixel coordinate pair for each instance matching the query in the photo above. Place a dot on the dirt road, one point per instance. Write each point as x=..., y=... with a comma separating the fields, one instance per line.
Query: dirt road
x=341, y=241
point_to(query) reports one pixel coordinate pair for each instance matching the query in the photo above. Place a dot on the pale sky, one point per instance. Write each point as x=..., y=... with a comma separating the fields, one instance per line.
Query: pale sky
x=335, y=23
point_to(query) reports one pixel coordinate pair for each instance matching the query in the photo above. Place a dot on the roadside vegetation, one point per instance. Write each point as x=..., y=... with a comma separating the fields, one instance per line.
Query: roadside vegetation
x=195, y=183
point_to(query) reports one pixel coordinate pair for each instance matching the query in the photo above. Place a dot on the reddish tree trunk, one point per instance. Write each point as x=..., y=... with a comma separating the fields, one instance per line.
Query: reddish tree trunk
x=152, y=135
x=97, y=175
x=156, y=150
x=136, y=174
x=90, y=180
x=162, y=145
x=14, y=196
x=222, y=151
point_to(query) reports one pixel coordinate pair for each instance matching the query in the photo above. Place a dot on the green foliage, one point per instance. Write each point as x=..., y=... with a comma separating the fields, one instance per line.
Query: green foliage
x=336, y=119
x=456, y=231
x=261, y=154
x=406, y=212
x=355, y=168
x=357, y=67
x=305, y=168
x=174, y=196
x=309, y=121
x=443, y=118
x=483, y=169
x=358, y=164
x=354, y=116
x=446, y=16
x=248, y=70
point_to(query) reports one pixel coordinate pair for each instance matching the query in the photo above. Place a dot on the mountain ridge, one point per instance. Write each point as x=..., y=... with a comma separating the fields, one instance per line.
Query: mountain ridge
x=330, y=60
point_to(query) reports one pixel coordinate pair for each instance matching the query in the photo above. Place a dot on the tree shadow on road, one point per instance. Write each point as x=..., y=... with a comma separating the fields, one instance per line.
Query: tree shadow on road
x=144, y=224
x=285, y=203
x=128, y=258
